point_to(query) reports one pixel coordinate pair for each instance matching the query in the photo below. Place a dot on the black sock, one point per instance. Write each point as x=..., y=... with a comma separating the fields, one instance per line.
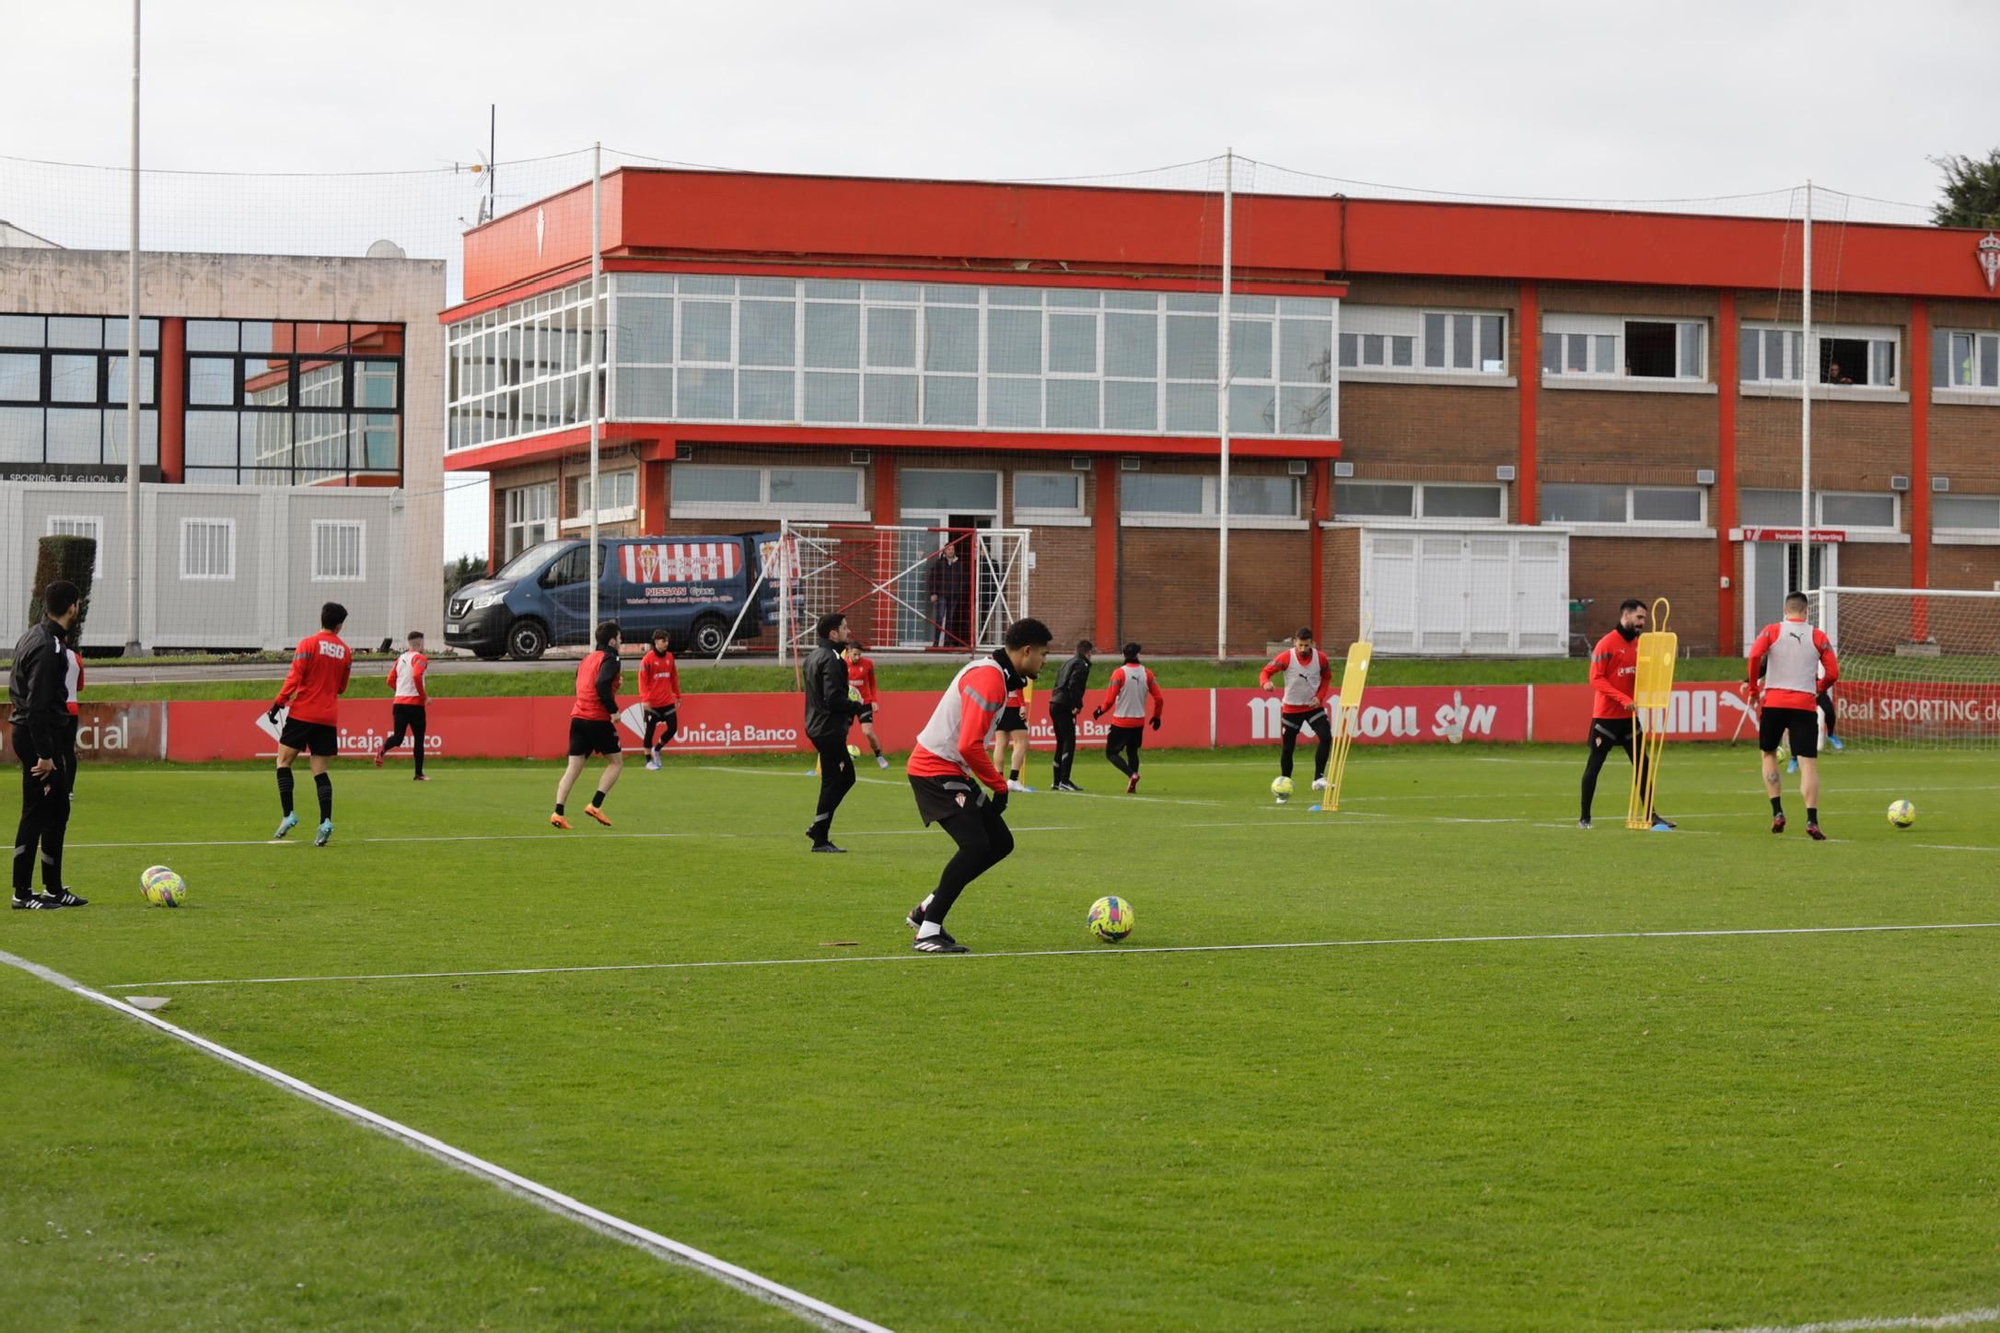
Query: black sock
x=1013, y=775
x=559, y=807
x=1812, y=814
x=323, y=783
x=1777, y=806
x=876, y=746
x=285, y=789
x=598, y=800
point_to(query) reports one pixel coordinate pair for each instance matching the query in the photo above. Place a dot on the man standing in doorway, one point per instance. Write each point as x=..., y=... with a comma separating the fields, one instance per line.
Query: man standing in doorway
x=1065, y=702
x=1125, y=699
x=830, y=711
x=1614, y=670
x=1793, y=662
x=949, y=582
x=45, y=679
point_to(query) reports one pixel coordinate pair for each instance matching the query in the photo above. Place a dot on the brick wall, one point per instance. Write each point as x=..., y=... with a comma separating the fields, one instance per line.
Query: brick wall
x=1340, y=618
x=1610, y=569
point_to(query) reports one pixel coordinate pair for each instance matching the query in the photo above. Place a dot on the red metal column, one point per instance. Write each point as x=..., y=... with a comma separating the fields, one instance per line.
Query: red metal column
x=1724, y=515
x=888, y=549
x=1528, y=373
x=1104, y=522
x=170, y=381
x=1916, y=370
x=653, y=493
x=1322, y=510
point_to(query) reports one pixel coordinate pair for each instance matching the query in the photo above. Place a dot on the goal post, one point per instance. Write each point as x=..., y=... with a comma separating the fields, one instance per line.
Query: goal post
x=1919, y=667
x=902, y=588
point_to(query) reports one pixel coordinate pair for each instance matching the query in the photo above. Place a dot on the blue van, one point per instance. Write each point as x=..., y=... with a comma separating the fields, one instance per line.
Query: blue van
x=693, y=587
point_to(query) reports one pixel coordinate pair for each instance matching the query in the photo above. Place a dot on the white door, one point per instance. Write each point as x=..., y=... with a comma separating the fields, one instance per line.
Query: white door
x=1771, y=570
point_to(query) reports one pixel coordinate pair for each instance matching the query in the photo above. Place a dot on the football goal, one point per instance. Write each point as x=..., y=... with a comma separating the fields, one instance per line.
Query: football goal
x=1919, y=667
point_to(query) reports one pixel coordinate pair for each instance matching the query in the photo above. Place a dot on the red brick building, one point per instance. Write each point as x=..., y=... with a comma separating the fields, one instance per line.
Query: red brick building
x=1405, y=375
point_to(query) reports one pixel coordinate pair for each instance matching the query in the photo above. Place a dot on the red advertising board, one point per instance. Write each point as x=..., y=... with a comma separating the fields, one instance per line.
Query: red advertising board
x=1390, y=715
x=1918, y=709
x=1701, y=711
x=110, y=731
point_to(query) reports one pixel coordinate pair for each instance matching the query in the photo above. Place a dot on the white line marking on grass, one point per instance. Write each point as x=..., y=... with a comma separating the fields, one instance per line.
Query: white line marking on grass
x=1101, y=952
x=806, y=1307
x=1961, y=1319
x=595, y=837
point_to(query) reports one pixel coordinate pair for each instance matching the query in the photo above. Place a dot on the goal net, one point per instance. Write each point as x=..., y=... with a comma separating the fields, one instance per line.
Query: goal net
x=1918, y=667
x=907, y=588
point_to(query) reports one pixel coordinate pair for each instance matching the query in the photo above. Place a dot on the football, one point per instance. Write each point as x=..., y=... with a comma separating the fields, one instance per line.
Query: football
x=162, y=887
x=1281, y=787
x=1110, y=919
x=1902, y=814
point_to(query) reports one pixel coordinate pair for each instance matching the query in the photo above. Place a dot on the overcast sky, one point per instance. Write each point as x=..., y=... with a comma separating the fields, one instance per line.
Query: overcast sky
x=1528, y=97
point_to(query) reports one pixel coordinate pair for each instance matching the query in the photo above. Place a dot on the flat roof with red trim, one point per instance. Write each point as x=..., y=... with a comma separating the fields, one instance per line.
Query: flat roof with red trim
x=945, y=230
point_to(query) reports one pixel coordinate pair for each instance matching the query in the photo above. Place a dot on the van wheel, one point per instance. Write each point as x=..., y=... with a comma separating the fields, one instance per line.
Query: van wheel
x=527, y=640
x=708, y=635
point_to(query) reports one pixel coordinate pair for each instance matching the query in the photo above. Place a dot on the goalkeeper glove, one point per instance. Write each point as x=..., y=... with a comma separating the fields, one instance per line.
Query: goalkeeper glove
x=1096, y=713
x=272, y=716
x=1156, y=722
x=999, y=801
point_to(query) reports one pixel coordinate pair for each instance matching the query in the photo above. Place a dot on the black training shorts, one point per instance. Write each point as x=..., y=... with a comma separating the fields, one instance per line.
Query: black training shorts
x=941, y=798
x=1618, y=731
x=1798, y=725
x=1011, y=720
x=867, y=713
x=315, y=738
x=587, y=736
x=1316, y=719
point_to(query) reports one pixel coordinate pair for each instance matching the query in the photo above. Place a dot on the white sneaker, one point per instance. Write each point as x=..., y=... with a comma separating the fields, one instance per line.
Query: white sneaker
x=881, y=761
x=653, y=764
x=1319, y=784
x=1013, y=785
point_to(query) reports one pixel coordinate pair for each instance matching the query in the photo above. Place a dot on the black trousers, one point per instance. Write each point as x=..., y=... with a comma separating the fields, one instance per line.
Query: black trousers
x=1322, y=727
x=45, y=803
x=1064, y=721
x=408, y=719
x=950, y=629
x=667, y=718
x=984, y=841
x=1826, y=709
x=1122, y=746
x=836, y=779
x=1606, y=735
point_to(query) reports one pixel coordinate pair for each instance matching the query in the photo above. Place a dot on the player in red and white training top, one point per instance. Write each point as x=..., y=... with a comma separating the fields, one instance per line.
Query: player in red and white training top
x=312, y=691
x=951, y=774
x=1794, y=663
x=1308, y=684
x=861, y=686
x=1125, y=699
x=1614, y=670
x=660, y=693
x=591, y=729
x=406, y=710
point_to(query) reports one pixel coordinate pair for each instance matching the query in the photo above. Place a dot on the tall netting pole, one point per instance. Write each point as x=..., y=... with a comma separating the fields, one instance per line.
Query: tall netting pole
x=133, y=450
x=1808, y=373
x=599, y=331
x=1222, y=409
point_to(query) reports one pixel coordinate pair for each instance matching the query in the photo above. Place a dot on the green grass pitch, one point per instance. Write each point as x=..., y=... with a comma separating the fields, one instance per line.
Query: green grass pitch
x=1665, y=1132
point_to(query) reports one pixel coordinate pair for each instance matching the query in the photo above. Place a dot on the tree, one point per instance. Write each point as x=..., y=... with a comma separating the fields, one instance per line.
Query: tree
x=63, y=558
x=466, y=569
x=1971, y=191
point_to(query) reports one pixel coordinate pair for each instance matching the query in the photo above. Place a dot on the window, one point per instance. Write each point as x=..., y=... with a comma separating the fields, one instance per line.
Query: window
x=531, y=512
x=618, y=498
x=1774, y=354
x=1575, y=345
x=1047, y=495
x=1159, y=495
x=1651, y=505
x=1407, y=338
x=703, y=490
x=280, y=403
x=208, y=549
x=1414, y=500
x=1960, y=359
x=337, y=551
x=1780, y=509
x=1966, y=513
x=81, y=525
x=926, y=491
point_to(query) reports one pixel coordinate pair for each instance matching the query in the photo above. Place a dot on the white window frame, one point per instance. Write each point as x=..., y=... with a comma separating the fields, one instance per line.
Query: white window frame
x=360, y=527
x=621, y=513
x=1819, y=509
x=762, y=507
x=1393, y=323
x=1593, y=327
x=1629, y=522
x=1417, y=514
x=517, y=520
x=1479, y=358
x=1965, y=536
x=908, y=509
x=228, y=525
x=1208, y=517
x=1028, y=515
x=1952, y=365
x=95, y=523
x=1823, y=334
